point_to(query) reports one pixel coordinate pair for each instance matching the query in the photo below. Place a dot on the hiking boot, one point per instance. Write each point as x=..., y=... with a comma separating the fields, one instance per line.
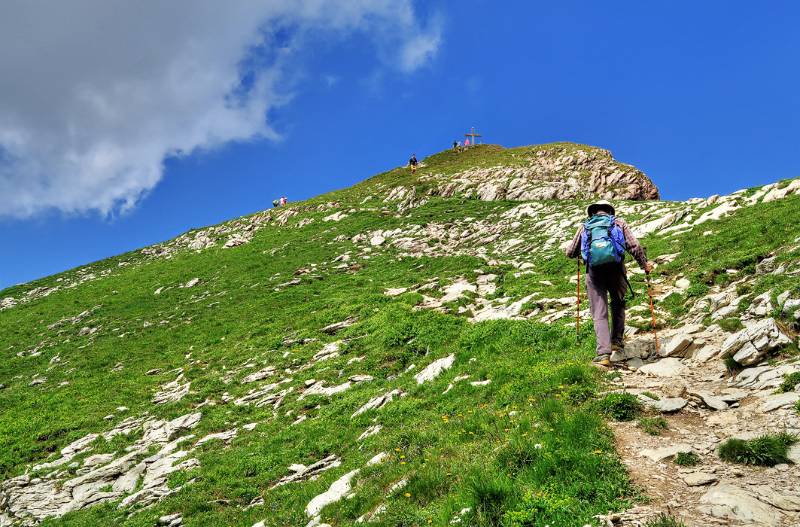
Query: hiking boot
x=620, y=347
x=603, y=361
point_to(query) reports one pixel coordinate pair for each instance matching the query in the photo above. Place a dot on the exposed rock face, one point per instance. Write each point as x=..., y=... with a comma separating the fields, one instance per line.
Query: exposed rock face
x=750, y=345
x=26, y=501
x=551, y=172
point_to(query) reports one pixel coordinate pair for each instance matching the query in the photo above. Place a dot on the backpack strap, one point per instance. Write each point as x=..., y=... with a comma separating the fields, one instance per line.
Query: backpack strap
x=628, y=282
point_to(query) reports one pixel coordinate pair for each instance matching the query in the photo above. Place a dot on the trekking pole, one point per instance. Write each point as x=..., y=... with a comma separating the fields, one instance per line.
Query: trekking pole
x=578, y=310
x=652, y=310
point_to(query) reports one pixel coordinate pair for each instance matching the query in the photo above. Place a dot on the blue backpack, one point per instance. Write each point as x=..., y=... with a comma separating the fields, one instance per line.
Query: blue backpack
x=602, y=241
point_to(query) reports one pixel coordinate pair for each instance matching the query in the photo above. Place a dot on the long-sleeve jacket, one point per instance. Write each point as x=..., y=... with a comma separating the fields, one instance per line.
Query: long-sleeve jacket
x=631, y=243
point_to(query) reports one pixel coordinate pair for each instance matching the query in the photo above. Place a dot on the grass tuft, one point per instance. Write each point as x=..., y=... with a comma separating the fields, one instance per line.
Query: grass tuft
x=653, y=425
x=619, y=406
x=767, y=451
x=490, y=494
x=687, y=459
x=664, y=520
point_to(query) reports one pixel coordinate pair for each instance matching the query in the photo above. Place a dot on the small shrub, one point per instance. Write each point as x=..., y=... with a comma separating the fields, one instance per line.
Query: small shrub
x=743, y=289
x=619, y=406
x=653, y=425
x=797, y=407
x=687, y=459
x=696, y=290
x=652, y=396
x=768, y=450
x=663, y=520
x=722, y=279
x=731, y=324
x=789, y=382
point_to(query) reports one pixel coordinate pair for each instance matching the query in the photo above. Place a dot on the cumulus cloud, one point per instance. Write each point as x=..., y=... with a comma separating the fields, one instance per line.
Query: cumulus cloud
x=95, y=94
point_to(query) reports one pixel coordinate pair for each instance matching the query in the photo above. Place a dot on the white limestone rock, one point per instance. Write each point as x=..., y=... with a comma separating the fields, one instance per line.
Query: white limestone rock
x=699, y=479
x=668, y=367
x=379, y=402
x=750, y=345
x=172, y=391
x=665, y=404
x=730, y=502
x=434, y=369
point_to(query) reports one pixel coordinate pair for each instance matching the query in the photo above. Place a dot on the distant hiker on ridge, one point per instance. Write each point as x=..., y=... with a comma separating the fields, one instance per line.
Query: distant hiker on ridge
x=276, y=202
x=284, y=201
x=601, y=242
x=455, y=145
x=413, y=163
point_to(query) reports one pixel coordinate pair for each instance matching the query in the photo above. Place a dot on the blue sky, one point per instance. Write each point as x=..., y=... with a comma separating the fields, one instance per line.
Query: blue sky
x=702, y=96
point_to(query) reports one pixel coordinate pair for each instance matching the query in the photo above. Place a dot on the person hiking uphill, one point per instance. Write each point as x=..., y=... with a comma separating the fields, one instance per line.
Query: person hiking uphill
x=413, y=163
x=601, y=242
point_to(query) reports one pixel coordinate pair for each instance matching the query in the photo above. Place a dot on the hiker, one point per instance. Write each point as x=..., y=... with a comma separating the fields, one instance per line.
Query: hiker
x=466, y=142
x=601, y=242
x=413, y=163
x=455, y=145
x=284, y=201
x=276, y=202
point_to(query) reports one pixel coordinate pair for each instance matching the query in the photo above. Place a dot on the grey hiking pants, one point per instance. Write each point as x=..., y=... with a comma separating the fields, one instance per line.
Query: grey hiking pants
x=602, y=283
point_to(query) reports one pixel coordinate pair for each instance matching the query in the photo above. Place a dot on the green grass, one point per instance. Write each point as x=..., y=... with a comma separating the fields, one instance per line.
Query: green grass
x=687, y=459
x=664, y=520
x=619, y=406
x=653, y=425
x=768, y=450
x=790, y=382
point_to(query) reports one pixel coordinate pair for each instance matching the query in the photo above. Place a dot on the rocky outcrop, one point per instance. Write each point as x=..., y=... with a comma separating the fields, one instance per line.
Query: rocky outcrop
x=550, y=172
x=751, y=345
x=139, y=476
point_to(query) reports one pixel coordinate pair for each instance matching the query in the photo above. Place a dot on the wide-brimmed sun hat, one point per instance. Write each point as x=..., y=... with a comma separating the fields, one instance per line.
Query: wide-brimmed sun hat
x=597, y=206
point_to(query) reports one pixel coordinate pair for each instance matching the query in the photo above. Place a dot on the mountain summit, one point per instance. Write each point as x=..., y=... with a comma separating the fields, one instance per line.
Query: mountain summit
x=538, y=172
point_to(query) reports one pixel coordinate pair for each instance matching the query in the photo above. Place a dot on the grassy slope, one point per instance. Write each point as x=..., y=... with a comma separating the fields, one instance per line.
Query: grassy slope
x=462, y=449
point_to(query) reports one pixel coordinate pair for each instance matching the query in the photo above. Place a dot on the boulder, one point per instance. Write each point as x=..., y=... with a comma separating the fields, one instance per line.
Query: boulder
x=710, y=400
x=773, y=402
x=767, y=265
x=706, y=353
x=750, y=345
x=794, y=454
x=669, y=367
x=734, y=503
x=676, y=346
x=665, y=404
x=698, y=479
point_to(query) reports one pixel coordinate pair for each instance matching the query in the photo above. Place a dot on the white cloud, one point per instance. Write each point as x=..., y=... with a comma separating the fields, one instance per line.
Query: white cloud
x=421, y=47
x=96, y=93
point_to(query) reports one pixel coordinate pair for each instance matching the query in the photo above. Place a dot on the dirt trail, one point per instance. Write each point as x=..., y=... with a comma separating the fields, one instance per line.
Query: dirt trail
x=713, y=408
